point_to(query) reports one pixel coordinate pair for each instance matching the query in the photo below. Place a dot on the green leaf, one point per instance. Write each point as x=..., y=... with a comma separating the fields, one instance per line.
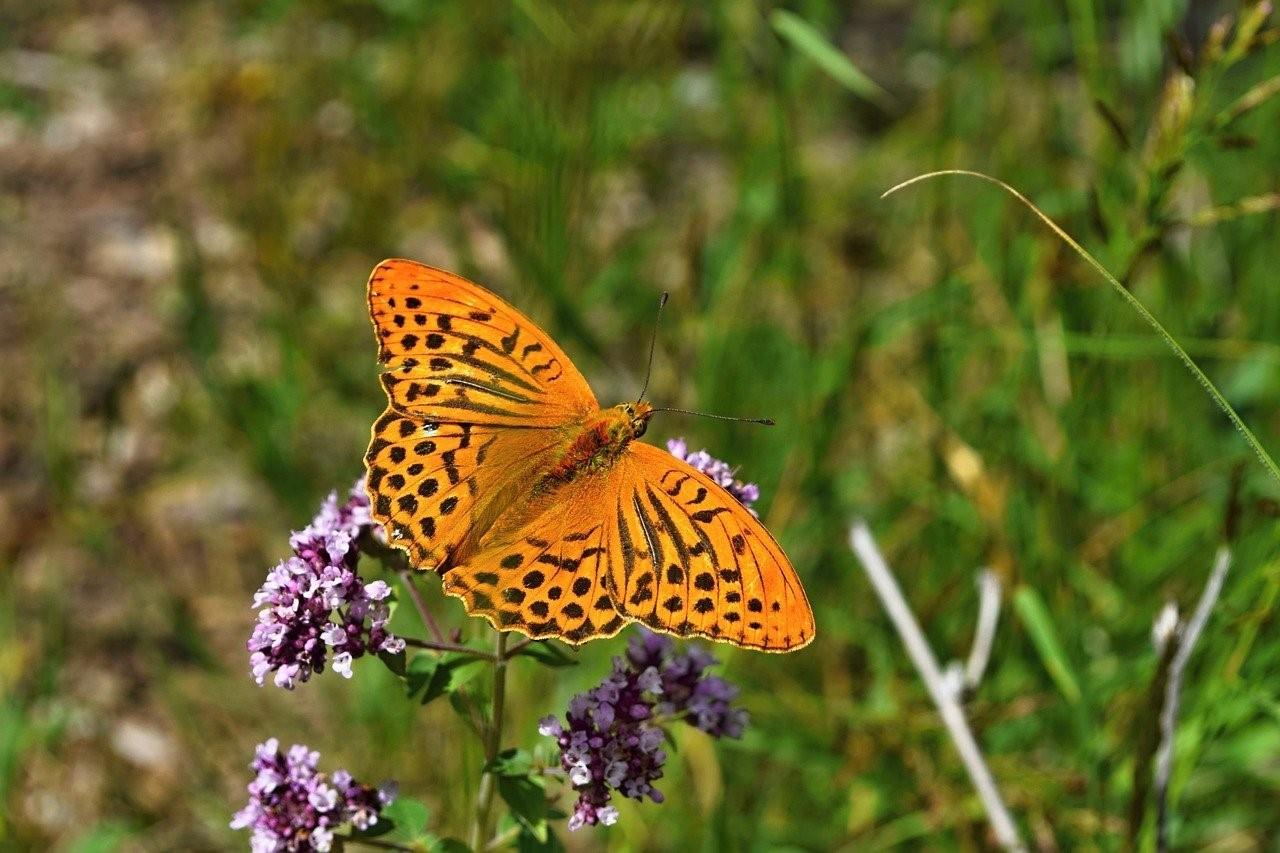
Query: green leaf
x=404, y=822
x=548, y=655
x=808, y=41
x=395, y=662
x=409, y=813
x=511, y=762
x=461, y=707
x=1039, y=624
x=452, y=845
x=430, y=676
x=528, y=803
x=528, y=842
x=419, y=673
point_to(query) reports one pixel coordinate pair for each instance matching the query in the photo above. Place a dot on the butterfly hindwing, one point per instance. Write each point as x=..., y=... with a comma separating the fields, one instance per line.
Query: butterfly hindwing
x=651, y=540
x=692, y=560
x=454, y=352
x=543, y=568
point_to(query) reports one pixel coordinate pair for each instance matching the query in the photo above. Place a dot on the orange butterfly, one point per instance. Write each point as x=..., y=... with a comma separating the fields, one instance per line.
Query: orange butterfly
x=495, y=466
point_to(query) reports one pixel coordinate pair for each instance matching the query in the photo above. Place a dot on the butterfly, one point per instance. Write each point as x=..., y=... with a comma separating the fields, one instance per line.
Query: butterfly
x=494, y=465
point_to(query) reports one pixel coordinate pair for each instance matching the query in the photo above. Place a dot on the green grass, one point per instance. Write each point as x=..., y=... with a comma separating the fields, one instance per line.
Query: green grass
x=937, y=363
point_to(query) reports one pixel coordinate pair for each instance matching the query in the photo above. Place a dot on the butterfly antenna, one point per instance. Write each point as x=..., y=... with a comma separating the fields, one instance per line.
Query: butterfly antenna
x=762, y=421
x=653, y=342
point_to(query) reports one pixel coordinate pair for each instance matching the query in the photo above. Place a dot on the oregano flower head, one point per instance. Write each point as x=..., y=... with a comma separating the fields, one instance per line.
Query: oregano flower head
x=612, y=736
x=295, y=807
x=315, y=604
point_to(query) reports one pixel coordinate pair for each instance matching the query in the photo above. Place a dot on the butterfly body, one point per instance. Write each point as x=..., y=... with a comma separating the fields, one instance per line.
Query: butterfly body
x=599, y=443
x=495, y=465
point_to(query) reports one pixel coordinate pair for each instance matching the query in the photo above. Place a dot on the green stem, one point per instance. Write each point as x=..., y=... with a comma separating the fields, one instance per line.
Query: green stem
x=518, y=647
x=504, y=838
x=480, y=827
x=373, y=842
x=406, y=577
x=456, y=648
x=1128, y=297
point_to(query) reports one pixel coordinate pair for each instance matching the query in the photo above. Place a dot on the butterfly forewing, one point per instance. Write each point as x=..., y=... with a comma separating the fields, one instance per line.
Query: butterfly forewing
x=692, y=560
x=431, y=483
x=475, y=394
x=454, y=352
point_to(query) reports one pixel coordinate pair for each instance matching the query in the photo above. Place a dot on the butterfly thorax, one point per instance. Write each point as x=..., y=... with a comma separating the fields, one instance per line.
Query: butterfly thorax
x=595, y=445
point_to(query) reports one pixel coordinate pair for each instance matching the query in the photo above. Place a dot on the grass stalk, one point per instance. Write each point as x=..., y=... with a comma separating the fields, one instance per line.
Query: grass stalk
x=1125, y=294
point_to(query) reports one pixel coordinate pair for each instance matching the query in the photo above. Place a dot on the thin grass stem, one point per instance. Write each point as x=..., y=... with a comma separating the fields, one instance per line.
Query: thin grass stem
x=1128, y=297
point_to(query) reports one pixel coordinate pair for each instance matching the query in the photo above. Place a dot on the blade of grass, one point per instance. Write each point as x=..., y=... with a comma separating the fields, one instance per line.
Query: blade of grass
x=1128, y=297
x=1039, y=624
x=801, y=35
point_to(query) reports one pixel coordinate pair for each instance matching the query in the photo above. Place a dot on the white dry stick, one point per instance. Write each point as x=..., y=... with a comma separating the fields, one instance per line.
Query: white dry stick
x=864, y=545
x=985, y=633
x=962, y=680
x=1173, y=690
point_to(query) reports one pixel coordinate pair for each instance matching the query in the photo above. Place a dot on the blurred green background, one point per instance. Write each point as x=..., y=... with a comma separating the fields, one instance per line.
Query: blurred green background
x=192, y=196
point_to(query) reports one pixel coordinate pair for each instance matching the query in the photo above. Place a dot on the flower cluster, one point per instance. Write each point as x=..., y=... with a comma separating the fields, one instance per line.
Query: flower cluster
x=613, y=737
x=315, y=601
x=294, y=807
x=721, y=472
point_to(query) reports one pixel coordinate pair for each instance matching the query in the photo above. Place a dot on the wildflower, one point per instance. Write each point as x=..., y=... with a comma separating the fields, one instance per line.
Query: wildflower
x=612, y=736
x=315, y=602
x=721, y=472
x=294, y=807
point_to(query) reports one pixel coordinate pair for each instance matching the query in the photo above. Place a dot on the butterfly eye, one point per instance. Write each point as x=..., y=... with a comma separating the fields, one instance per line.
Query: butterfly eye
x=638, y=426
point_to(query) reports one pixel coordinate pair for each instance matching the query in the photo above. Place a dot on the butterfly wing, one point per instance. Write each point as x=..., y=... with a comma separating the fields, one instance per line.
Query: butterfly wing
x=652, y=540
x=543, y=567
x=693, y=561
x=432, y=485
x=477, y=397
x=453, y=352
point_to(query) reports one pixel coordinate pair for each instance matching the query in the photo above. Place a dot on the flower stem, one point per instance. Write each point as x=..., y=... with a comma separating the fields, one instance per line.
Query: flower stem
x=516, y=649
x=373, y=842
x=457, y=648
x=395, y=559
x=480, y=827
x=406, y=577
x=504, y=838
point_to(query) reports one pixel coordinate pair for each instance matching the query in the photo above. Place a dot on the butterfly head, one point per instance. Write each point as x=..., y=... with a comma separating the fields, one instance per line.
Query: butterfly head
x=637, y=417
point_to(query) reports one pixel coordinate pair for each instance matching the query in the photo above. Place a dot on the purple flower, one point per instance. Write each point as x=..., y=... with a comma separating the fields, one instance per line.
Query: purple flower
x=721, y=472
x=294, y=807
x=315, y=603
x=612, y=736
